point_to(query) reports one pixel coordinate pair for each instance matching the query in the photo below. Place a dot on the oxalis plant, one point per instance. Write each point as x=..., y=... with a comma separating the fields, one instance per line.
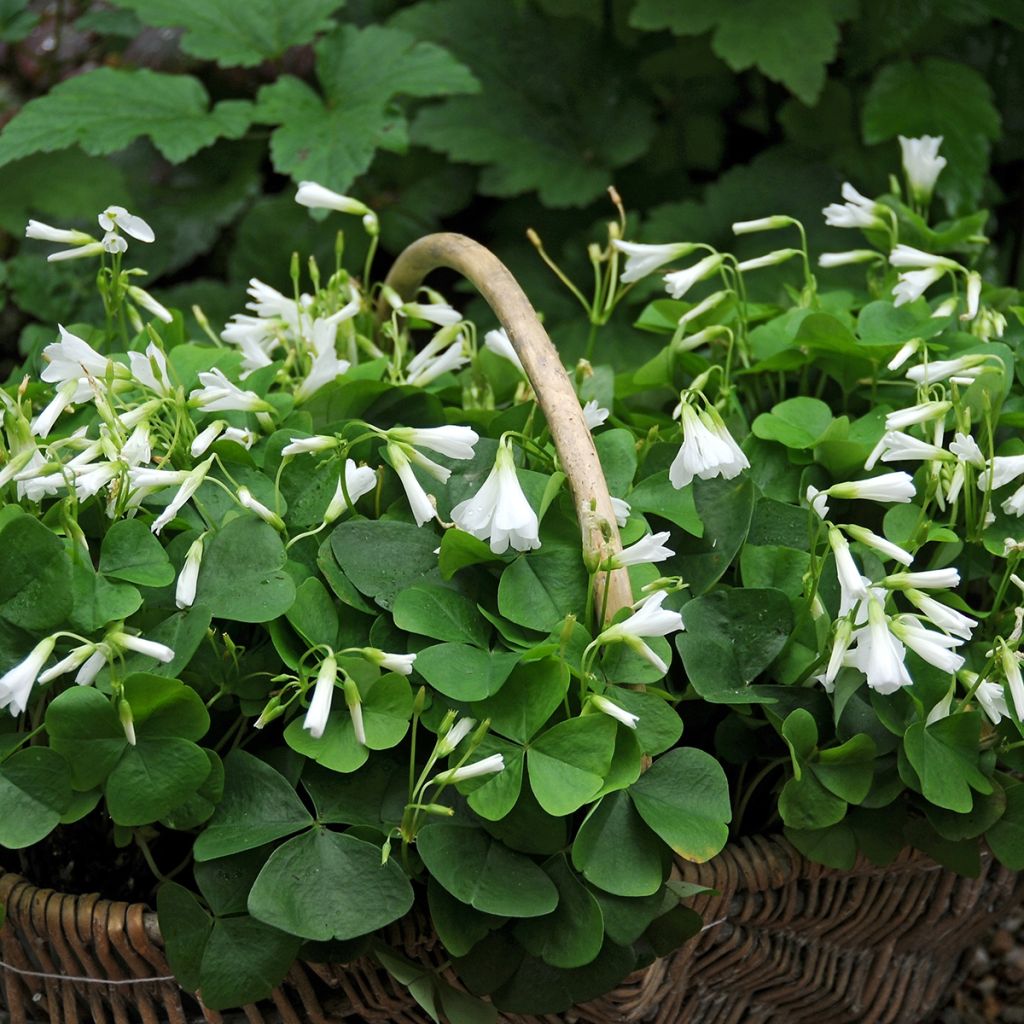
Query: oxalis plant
x=297, y=615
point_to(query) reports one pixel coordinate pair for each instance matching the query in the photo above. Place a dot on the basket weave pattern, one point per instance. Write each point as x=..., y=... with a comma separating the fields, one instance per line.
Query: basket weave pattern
x=787, y=941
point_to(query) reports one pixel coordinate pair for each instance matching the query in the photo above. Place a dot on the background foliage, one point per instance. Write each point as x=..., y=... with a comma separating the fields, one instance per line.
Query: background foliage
x=485, y=116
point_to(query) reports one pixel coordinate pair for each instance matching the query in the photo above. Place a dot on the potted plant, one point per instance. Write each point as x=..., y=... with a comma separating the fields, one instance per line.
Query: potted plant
x=363, y=639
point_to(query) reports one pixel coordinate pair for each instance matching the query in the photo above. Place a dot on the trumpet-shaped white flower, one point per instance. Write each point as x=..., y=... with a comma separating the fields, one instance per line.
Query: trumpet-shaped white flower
x=326, y=367
x=922, y=165
x=255, y=337
x=896, y=487
x=828, y=260
x=906, y=256
x=206, y=437
x=44, y=422
x=770, y=259
x=840, y=645
x=150, y=648
x=500, y=344
x=610, y=708
x=992, y=698
x=1010, y=661
x=454, y=736
x=117, y=218
x=773, y=223
x=317, y=197
x=454, y=441
x=872, y=540
x=973, y=295
x=969, y=366
x=323, y=693
x=439, y=313
x=935, y=648
x=594, y=415
x=1014, y=504
x=930, y=579
x=142, y=298
x=188, y=578
x=248, y=501
x=851, y=583
x=421, y=503
x=857, y=212
x=451, y=359
x=708, y=450
x=911, y=285
x=269, y=303
x=941, y=615
x=69, y=663
x=488, y=766
x=359, y=480
x=64, y=236
x=305, y=445
x=900, y=447
x=400, y=663
x=1002, y=470
x=72, y=358
x=966, y=449
x=621, y=509
x=218, y=394
x=679, y=282
x=189, y=485
x=915, y=414
x=150, y=370
x=499, y=511
x=17, y=682
x=648, y=619
x=643, y=259
x=879, y=654
x=646, y=550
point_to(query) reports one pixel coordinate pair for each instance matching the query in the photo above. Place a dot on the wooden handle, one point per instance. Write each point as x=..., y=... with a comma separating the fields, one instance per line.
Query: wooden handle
x=551, y=383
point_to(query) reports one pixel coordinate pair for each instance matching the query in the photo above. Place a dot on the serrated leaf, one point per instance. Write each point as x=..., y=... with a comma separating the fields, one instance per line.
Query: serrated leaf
x=938, y=97
x=107, y=109
x=332, y=138
x=791, y=41
x=236, y=34
x=559, y=135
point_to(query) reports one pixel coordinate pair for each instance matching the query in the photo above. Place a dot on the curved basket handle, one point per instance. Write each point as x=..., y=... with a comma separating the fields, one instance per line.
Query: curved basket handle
x=550, y=382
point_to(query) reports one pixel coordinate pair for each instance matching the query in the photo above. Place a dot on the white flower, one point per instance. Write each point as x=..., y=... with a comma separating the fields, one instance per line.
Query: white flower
x=185, y=590
x=907, y=349
x=704, y=306
x=218, y=394
x=1003, y=469
x=448, y=361
x=421, y=503
x=323, y=692
x=973, y=295
x=488, y=766
x=150, y=369
x=942, y=369
x=359, y=480
x=305, y=445
x=900, y=447
x=678, y=283
x=594, y=415
x=914, y=283
x=71, y=358
x=1011, y=669
x=992, y=698
x=454, y=441
x=353, y=701
x=78, y=253
x=842, y=259
x=879, y=654
x=770, y=259
x=621, y=509
x=610, y=708
x=851, y=582
x=45, y=233
x=43, y=423
x=317, y=197
x=17, y=682
x=499, y=511
x=921, y=413
x=91, y=669
x=270, y=303
x=117, y=218
x=935, y=648
x=399, y=663
x=69, y=663
x=500, y=344
x=1014, y=504
x=649, y=619
x=922, y=164
x=146, y=301
x=908, y=256
x=746, y=227
x=642, y=259
x=707, y=451
x=648, y=549
x=897, y=487
x=246, y=500
x=254, y=336
x=454, y=736
x=872, y=540
x=966, y=449
x=946, y=618
x=840, y=645
x=113, y=243
x=857, y=212
x=930, y=579
x=818, y=500
x=206, y=437
x=439, y=313
x=150, y=648
x=326, y=367
x=190, y=484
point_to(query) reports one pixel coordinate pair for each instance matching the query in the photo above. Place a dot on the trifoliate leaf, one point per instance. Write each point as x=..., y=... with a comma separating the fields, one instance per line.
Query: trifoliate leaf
x=332, y=138
x=938, y=97
x=791, y=41
x=561, y=135
x=236, y=34
x=104, y=110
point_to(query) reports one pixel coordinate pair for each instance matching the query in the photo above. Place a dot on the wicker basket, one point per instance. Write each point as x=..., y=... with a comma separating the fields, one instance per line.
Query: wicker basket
x=786, y=940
